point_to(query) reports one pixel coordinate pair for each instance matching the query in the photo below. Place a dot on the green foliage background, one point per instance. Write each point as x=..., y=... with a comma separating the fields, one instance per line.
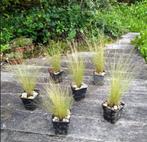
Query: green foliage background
x=45, y=20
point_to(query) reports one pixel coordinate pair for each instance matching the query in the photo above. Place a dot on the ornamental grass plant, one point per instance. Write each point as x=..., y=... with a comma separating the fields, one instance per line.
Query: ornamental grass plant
x=57, y=100
x=76, y=67
x=54, y=56
x=26, y=76
x=122, y=71
x=56, y=62
x=98, y=58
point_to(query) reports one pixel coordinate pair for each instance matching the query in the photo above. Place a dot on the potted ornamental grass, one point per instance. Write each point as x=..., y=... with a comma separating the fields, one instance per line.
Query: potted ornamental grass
x=54, y=56
x=58, y=101
x=121, y=73
x=98, y=60
x=77, y=67
x=26, y=76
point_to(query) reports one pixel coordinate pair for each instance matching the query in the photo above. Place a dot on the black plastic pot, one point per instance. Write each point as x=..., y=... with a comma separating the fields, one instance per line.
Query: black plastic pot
x=98, y=79
x=79, y=93
x=57, y=77
x=30, y=104
x=110, y=114
x=60, y=127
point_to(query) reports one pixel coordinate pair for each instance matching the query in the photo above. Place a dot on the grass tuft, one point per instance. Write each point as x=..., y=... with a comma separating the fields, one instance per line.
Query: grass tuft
x=57, y=101
x=54, y=56
x=122, y=71
x=98, y=58
x=77, y=67
x=27, y=76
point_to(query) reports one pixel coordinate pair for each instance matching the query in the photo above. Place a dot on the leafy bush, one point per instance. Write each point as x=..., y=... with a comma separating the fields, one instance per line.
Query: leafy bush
x=49, y=20
x=110, y=23
x=13, y=5
x=140, y=43
x=61, y=20
x=4, y=48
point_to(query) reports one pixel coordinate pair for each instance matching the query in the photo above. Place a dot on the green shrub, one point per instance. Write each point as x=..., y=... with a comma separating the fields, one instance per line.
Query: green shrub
x=4, y=48
x=140, y=43
x=110, y=23
x=62, y=20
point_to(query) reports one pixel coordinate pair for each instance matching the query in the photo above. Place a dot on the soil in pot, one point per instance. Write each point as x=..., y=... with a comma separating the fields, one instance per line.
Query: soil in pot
x=56, y=76
x=79, y=93
x=61, y=126
x=112, y=114
x=30, y=103
x=98, y=78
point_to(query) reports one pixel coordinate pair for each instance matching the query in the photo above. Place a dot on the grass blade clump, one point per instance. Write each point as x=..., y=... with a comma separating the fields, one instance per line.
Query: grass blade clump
x=76, y=66
x=27, y=77
x=56, y=62
x=98, y=58
x=122, y=73
x=54, y=55
x=57, y=101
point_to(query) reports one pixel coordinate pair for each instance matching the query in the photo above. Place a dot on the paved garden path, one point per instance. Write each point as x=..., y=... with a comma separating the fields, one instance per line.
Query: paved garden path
x=87, y=123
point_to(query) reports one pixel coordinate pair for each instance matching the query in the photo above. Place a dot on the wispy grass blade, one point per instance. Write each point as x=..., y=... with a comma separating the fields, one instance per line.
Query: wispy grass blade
x=98, y=58
x=122, y=72
x=26, y=76
x=76, y=67
x=57, y=100
x=54, y=56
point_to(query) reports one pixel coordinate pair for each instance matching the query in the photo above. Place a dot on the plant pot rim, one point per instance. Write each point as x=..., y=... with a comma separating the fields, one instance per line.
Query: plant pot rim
x=35, y=94
x=100, y=73
x=114, y=108
x=50, y=70
x=64, y=120
x=83, y=85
